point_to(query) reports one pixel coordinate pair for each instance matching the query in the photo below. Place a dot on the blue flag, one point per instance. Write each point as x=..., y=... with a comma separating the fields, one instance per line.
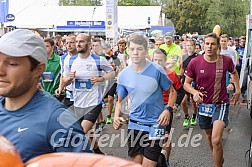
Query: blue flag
x=4, y=10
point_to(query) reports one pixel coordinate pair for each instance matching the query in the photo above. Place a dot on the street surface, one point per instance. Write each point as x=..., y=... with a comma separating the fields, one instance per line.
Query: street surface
x=190, y=148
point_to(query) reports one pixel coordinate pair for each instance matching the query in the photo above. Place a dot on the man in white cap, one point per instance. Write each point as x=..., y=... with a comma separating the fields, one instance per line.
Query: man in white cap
x=173, y=52
x=34, y=121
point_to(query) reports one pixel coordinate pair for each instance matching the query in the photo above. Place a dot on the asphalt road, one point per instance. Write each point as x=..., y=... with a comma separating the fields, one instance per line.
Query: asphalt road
x=190, y=148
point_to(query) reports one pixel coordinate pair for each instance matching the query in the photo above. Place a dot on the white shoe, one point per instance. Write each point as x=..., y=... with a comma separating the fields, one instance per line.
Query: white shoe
x=178, y=114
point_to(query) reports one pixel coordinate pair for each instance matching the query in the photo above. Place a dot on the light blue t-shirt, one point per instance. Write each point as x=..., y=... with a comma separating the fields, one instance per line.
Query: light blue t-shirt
x=145, y=92
x=41, y=126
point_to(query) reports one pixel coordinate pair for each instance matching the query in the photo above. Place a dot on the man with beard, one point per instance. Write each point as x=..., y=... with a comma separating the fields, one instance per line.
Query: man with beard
x=32, y=119
x=86, y=75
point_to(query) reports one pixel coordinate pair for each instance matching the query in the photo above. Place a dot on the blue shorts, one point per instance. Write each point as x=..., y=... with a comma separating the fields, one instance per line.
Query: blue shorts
x=221, y=113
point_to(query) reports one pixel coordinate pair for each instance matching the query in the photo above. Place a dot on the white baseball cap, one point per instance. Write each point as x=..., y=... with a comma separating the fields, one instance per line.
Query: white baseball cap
x=23, y=42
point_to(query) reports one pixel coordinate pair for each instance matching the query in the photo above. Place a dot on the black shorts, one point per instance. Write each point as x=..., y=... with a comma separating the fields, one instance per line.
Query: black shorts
x=89, y=113
x=66, y=101
x=140, y=144
x=60, y=98
x=112, y=91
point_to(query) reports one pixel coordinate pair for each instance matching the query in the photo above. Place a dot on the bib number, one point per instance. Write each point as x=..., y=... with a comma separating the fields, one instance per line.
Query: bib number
x=157, y=132
x=206, y=109
x=48, y=76
x=83, y=85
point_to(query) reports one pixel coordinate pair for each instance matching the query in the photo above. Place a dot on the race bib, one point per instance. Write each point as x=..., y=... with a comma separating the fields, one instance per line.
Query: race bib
x=206, y=109
x=48, y=76
x=157, y=132
x=83, y=85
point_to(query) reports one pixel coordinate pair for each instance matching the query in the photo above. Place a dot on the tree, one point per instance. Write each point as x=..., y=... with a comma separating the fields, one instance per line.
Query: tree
x=162, y=3
x=202, y=15
x=80, y=2
x=134, y=2
x=186, y=15
x=230, y=16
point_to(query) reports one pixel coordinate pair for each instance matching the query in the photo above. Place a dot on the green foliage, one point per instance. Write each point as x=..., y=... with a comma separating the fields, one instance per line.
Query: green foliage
x=134, y=2
x=80, y=2
x=202, y=15
x=162, y=3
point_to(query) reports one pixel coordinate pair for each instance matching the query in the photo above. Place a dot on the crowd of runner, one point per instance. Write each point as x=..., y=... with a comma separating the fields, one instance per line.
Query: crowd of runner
x=154, y=79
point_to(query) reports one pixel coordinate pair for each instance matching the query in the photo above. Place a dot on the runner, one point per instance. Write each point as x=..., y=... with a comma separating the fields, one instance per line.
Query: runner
x=85, y=74
x=143, y=81
x=241, y=50
x=158, y=43
x=97, y=47
x=228, y=51
x=173, y=53
x=66, y=62
x=159, y=57
x=51, y=76
x=190, y=47
x=32, y=119
x=110, y=91
x=197, y=48
x=152, y=47
x=121, y=52
x=98, y=50
x=211, y=92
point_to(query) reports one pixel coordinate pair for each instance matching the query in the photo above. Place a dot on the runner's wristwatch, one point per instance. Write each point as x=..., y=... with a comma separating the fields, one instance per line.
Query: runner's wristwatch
x=170, y=109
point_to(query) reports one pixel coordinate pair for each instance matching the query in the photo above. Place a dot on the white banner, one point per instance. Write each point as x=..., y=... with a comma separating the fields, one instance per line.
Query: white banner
x=111, y=19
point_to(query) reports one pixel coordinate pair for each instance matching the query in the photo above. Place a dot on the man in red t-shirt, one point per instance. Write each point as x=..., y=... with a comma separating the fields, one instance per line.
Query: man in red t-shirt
x=209, y=73
x=159, y=57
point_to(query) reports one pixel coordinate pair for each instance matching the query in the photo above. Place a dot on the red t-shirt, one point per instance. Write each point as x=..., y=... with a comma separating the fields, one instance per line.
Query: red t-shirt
x=176, y=83
x=210, y=79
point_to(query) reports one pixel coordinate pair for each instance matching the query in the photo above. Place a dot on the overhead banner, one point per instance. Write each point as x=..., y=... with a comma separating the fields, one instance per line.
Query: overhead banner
x=90, y=24
x=111, y=19
x=4, y=10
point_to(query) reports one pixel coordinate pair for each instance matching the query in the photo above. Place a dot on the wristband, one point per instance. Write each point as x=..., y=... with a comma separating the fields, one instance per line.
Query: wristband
x=170, y=109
